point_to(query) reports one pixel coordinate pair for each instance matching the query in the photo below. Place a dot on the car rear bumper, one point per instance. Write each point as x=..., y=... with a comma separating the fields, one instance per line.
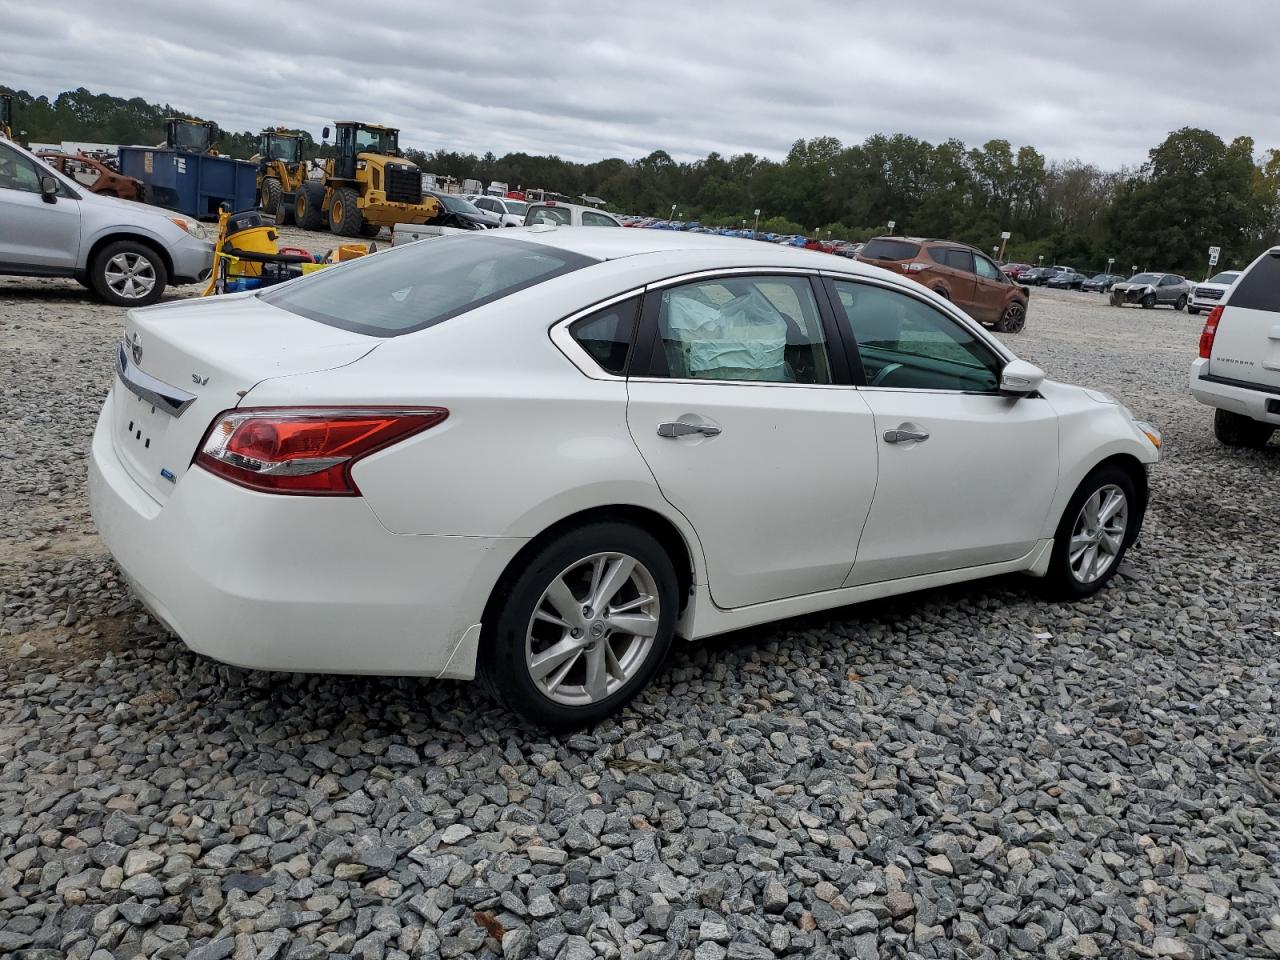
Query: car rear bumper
x=1254, y=401
x=312, y=584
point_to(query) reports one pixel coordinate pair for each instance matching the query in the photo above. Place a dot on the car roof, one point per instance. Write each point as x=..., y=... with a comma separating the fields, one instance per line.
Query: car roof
x=602, y=243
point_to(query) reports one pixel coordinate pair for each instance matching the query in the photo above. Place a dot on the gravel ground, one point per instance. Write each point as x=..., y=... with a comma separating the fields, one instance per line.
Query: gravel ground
x=969, y=772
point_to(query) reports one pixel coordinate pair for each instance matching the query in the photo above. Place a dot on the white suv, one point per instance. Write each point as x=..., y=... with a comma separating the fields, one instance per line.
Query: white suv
x=1238, y=370
x=1205, y=296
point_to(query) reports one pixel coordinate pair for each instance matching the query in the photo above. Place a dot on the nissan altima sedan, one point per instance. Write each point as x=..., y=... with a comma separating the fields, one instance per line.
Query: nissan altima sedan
x=539, y=455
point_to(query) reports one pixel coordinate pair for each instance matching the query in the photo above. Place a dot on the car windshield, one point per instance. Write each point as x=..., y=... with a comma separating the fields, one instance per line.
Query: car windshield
x=456, y=204
x=1227, y=276
x=421, y=284
x=1101, y=276
x=1145, y=278
x=515, y=207
x=557, y=215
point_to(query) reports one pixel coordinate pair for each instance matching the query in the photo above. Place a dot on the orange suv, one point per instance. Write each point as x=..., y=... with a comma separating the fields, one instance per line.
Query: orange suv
x=960, y=273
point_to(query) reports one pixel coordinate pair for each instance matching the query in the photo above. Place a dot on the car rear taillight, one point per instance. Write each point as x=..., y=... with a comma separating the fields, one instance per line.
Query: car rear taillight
x=305, y=450
x=1209, y=332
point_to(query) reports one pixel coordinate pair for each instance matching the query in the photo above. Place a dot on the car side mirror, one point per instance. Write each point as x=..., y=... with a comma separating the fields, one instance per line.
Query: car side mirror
x=49, y=189
x=1019, y=378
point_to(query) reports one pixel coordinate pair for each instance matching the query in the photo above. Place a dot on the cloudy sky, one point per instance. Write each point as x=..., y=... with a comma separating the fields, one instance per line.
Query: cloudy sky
x=1099, y=81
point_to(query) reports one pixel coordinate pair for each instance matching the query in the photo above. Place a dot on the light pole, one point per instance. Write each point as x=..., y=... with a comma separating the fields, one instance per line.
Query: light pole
x=1110, y=261
x=1041, y=259
x=755, y=228
x=995, y=253
x=673, y=213
x=1004, y=238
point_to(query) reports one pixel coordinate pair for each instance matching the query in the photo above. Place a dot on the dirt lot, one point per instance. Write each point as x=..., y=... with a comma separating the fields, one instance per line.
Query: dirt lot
x=967, y=772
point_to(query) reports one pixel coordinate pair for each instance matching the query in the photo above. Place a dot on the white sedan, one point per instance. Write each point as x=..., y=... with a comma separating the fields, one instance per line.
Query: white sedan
x=540, y=455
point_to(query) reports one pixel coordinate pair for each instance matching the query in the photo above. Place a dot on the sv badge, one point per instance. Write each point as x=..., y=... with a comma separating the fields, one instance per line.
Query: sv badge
x=197, y=379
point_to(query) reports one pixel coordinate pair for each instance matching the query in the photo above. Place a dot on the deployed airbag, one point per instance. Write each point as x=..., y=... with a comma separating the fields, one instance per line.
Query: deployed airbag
x=744, y=338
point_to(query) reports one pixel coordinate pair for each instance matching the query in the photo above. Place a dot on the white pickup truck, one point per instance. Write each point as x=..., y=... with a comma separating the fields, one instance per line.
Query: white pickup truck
x=1238, y=370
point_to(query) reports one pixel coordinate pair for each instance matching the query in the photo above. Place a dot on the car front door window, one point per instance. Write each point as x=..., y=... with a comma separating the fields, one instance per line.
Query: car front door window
x=905, y=343
x=17, y=173
x=986, y=269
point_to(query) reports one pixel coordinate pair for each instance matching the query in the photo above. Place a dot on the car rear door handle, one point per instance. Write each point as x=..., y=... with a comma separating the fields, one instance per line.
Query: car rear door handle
x=678, y=428
x=905, y=436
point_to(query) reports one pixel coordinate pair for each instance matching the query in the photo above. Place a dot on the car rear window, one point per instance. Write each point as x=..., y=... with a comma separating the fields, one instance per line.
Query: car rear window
x=890, y=250
x=556, y=215
x=421, y=284
x=1259, y=288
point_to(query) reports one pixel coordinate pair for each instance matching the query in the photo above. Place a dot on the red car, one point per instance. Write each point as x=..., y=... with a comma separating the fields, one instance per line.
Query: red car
x=1014, y=271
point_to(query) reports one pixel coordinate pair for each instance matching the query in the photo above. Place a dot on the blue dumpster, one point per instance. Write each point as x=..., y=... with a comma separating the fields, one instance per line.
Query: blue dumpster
x=192, y=183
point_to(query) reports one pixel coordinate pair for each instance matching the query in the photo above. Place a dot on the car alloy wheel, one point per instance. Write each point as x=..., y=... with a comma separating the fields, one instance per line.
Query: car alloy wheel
x=1015, y=318
x=1097, y=538
x=593, y=629
x=130, y=276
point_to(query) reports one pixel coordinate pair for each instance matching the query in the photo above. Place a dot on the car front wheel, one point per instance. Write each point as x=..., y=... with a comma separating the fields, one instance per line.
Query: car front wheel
x=1182, y=303
x=1013, y=319
x=128, y=274
x=581, y=628
x=1095, y=531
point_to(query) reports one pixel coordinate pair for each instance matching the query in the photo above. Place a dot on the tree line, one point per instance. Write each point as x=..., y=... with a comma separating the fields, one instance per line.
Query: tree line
x=1194, y=190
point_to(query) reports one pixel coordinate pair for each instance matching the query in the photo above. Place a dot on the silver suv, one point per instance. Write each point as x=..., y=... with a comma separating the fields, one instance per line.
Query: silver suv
x=127, y=253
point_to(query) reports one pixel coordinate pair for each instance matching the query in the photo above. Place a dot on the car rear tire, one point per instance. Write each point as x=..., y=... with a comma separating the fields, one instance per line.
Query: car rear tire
x=128, y=274
x=1100, y=522
x=1148, y=301
x=308, y=206
x=580, y=628
x=345, y=218
x=1182, y=303
x=1194, y=311
x=1013, y=319
x=1236, y=430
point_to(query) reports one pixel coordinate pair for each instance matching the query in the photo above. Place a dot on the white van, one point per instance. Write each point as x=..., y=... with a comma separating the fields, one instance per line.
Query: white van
x=568, y=215
x=1238, y=370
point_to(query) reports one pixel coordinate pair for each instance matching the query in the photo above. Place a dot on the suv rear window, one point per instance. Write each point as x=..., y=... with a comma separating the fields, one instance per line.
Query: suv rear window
x=890, y=250
x=419, y=285
x=1259, y=288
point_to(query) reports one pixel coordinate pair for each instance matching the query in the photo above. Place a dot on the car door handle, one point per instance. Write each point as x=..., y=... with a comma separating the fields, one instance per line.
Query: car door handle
x=905, y=436
x=678, y=428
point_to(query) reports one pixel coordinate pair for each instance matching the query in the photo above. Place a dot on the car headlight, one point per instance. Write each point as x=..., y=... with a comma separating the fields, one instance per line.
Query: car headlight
x=1150, y=430
x=193, y=227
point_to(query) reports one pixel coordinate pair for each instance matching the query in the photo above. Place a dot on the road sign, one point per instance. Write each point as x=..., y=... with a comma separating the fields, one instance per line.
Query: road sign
x=892, y=224
x=1005, y=235
x=756, y=212
x=1213, y=255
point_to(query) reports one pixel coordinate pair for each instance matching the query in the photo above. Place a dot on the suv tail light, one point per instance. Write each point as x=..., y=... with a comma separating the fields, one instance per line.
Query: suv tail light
x=305, y=450
x=1209, y=332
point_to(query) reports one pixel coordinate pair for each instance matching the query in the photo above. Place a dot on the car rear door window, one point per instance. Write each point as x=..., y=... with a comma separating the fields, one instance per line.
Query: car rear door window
x=590, y=219
x=905, y=343
x=1259, y=288
x=960, y=260
x=607, y=334
x=421, y=284
x=758, y=328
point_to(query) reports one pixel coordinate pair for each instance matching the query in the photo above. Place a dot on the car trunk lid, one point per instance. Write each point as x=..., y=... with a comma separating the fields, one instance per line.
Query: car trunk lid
x=180, y=365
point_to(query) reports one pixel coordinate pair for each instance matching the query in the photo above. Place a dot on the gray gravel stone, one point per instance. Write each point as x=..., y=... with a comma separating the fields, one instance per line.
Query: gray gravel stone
x=1084, y=770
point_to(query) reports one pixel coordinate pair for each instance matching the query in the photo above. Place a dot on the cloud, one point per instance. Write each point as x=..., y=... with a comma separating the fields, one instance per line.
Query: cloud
x=588, y=80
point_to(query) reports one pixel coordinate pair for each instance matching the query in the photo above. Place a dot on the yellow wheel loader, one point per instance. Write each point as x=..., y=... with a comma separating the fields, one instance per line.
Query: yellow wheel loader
x=366, y=186
x=281, y=171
